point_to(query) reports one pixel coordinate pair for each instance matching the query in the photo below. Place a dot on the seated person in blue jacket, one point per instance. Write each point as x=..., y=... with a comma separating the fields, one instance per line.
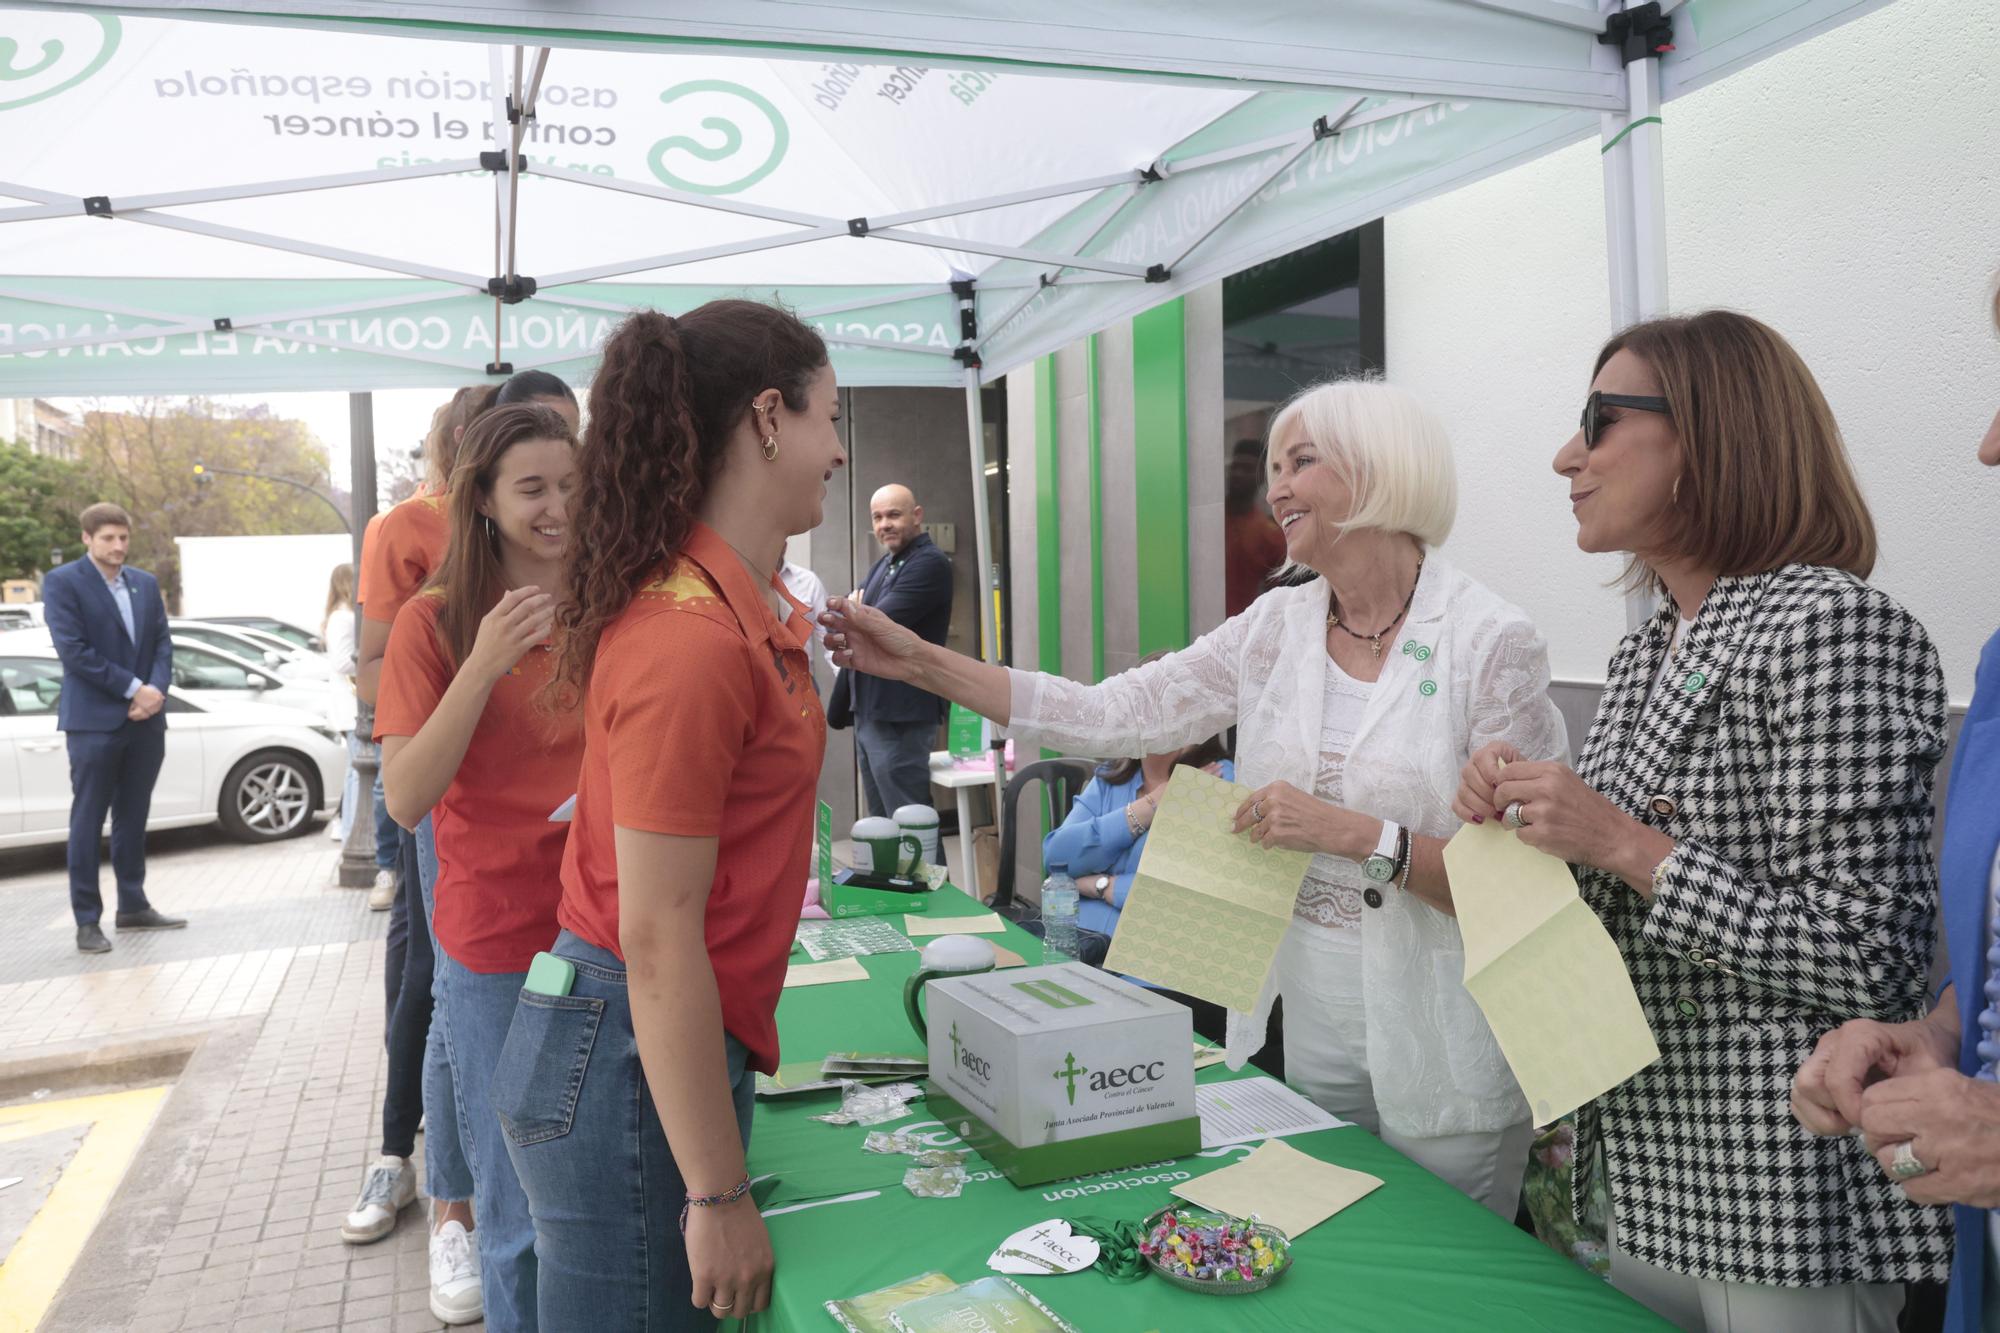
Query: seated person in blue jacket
x=1105, y=835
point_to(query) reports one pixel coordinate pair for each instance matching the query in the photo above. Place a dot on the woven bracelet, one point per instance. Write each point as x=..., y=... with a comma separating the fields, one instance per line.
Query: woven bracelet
x=730, y=1195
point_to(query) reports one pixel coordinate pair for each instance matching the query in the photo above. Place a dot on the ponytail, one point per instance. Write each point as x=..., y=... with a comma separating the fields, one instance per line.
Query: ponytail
x=668, y=395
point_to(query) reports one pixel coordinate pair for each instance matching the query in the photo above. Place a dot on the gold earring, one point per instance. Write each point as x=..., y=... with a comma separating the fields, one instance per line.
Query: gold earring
x=1675, y=499
x=771, y=448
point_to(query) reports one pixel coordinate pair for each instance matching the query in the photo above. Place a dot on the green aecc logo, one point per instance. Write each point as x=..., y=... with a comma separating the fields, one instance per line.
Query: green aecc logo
x=62, y=52
x=722, y=160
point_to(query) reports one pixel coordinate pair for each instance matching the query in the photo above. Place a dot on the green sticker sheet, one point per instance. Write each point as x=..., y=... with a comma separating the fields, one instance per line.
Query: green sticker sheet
x=1208, y=906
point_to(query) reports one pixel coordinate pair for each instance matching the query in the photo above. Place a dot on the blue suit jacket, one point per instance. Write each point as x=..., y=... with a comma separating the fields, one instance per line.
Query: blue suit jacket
x=99, y=659
x=1971, y=832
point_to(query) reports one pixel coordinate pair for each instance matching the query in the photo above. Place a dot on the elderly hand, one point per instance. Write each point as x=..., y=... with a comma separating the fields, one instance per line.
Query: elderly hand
x=861, y=637
x=1952, y=1124
x=1827, y=1090
x=1280, y=815
x=1476, y=781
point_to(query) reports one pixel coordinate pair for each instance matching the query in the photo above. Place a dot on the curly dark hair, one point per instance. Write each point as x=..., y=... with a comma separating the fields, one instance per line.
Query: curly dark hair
x=667, y=396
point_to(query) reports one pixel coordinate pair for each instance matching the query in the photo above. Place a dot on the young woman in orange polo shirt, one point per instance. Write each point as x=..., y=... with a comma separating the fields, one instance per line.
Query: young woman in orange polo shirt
x=711, y=440
x=463, y=741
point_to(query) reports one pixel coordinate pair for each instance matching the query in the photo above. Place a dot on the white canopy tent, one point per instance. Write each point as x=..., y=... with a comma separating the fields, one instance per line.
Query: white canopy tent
x=364, y=195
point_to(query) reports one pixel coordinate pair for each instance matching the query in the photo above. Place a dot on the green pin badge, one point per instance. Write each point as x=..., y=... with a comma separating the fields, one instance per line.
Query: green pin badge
x=1428, y=688
x=1694, y=682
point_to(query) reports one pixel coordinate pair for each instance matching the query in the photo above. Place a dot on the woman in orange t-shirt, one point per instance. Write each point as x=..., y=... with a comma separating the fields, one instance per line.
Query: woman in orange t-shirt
x=711, y=440
x=464, y=741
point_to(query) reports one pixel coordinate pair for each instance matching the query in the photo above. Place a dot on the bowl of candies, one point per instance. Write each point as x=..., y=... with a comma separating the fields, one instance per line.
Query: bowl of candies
x=1210, y=1253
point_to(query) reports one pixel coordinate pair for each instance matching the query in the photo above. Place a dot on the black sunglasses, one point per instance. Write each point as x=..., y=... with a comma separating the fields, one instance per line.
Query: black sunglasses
x=1594, y=420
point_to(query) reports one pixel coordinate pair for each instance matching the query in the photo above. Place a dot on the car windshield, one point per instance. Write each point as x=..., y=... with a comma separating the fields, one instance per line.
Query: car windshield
x=198, y=668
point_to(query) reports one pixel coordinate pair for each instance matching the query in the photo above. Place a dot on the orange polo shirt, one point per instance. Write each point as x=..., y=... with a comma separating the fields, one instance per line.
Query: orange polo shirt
x=399, y=550
x=702, y=722
x=499, y=857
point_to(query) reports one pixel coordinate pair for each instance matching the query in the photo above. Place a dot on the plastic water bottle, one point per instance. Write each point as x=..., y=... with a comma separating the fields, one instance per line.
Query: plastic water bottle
x=1059, y=899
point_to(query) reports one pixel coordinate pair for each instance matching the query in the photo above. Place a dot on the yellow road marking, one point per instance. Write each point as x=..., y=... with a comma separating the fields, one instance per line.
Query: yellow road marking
x=42, y=1258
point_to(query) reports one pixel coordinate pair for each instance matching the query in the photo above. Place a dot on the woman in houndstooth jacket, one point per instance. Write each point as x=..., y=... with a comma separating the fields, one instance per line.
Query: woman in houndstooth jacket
x=1751, y=819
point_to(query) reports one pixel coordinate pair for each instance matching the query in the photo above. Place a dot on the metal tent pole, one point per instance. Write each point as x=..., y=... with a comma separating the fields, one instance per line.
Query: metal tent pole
x=357, y=853
x=1635, y=219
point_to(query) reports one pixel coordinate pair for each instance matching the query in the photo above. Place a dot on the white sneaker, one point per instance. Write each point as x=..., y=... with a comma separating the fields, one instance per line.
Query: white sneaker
x=333, y=830
x=382, y=896
x=389, y=1187
x=455, y=1275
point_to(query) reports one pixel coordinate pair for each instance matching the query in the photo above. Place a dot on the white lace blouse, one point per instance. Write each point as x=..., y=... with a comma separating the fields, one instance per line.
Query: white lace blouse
x=1466, y=669
x=1331, y=896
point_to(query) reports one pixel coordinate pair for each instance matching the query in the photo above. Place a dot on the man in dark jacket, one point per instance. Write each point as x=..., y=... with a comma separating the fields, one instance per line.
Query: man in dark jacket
x=895, y=723
x=110, y=630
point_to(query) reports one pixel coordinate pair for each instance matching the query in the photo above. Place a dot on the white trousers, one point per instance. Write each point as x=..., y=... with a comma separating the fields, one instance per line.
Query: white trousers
x=1326, y=1059
x=1703, y=1305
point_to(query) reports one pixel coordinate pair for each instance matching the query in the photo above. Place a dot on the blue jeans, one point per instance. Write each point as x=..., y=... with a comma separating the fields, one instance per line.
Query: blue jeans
x=587, y=1144
x=350, y=787
x=447, y=1175
x=895, y=763
x=387, y=836
x=474, y=1011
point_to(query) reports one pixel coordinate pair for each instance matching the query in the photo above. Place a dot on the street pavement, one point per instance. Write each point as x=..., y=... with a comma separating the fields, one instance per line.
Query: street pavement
x=185, y=1119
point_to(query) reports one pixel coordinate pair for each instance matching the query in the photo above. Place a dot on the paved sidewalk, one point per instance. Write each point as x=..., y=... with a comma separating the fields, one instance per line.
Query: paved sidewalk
x=229, y=1215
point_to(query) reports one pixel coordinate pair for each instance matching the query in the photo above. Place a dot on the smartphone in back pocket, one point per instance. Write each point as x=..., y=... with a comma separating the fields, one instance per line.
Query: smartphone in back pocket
x=550, y=975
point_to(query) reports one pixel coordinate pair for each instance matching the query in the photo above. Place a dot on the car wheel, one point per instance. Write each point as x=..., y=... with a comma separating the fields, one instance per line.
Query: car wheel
x=268, y=796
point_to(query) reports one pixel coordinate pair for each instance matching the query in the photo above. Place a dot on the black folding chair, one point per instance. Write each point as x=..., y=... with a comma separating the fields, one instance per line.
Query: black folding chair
x=1062, y=782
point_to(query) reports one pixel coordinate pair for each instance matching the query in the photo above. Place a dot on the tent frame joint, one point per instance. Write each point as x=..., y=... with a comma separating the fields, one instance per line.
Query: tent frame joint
x=499, y=367
x=857, y=226
x=224, y=324
x=1158, y=273
x=967, y=356
x=1640, y=33
x=496, y=161
x=510, y=291
x=97, y=206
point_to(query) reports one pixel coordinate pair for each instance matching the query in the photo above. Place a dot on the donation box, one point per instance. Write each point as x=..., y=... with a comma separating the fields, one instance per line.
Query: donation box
x=1051, y=1072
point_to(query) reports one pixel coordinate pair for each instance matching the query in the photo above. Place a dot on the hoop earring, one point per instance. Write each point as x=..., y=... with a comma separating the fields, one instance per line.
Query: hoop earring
x=771, y=448
x=1675, y=499
x=492, y=533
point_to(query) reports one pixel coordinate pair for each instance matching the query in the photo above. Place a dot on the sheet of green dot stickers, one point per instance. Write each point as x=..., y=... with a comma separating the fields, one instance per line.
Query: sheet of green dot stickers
x=1208, y=906
x=1544, y=972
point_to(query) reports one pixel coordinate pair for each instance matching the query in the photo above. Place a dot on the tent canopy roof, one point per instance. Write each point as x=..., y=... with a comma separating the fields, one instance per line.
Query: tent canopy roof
x=294, y=196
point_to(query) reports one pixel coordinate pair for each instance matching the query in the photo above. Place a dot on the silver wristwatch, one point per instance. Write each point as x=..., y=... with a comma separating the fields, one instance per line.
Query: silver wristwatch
x=1381, y=864
x=1103, y=886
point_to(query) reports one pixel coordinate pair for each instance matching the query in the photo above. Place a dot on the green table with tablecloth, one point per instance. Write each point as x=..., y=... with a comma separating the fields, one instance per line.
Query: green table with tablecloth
x=1412, y=1257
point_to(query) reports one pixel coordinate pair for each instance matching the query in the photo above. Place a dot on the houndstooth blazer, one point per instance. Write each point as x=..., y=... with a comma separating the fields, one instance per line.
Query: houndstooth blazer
x=1789, y=754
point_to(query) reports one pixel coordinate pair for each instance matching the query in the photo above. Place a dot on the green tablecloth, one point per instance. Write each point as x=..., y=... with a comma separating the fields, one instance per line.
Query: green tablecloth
x=1413, y=1256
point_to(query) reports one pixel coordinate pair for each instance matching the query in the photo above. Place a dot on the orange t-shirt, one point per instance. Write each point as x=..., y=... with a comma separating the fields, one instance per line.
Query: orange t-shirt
x=399, y=550
x=702, y=722
x=499, y=857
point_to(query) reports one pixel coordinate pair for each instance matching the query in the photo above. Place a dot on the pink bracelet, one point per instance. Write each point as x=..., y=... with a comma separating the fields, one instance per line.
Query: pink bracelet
x=730, y=1195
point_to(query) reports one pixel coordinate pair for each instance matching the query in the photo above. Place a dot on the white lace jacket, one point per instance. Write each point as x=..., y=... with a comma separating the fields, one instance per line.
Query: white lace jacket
x=1466, y=668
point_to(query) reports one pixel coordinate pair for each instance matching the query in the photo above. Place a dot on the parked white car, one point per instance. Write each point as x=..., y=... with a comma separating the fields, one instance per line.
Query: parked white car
x=262, y=770
x=207, y=676
x=288, y=660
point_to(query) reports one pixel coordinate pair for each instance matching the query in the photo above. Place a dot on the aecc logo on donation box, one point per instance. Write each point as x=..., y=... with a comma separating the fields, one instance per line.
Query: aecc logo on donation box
x=61, y=51
x=727, y=137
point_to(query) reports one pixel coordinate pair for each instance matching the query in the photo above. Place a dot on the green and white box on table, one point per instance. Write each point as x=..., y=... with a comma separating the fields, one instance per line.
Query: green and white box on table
x=1051, y=1072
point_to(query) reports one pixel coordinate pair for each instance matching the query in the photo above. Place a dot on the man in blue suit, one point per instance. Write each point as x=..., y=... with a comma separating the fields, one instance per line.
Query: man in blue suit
x=110, y=629
x=1924, y=1093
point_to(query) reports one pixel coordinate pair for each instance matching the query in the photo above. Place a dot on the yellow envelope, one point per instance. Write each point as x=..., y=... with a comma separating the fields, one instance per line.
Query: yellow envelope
x=916, y=927
x=1290, y=1190
x=820, y=974
x=1544, y=972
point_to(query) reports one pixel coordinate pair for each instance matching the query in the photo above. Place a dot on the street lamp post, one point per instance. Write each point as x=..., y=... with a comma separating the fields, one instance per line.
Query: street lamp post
x=203, y=471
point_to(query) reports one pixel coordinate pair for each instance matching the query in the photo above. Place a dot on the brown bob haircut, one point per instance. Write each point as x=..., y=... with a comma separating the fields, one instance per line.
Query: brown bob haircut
x=1765, y=477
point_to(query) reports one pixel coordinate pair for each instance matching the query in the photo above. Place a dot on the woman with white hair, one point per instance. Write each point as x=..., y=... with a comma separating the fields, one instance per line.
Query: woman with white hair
x=1357, y=694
